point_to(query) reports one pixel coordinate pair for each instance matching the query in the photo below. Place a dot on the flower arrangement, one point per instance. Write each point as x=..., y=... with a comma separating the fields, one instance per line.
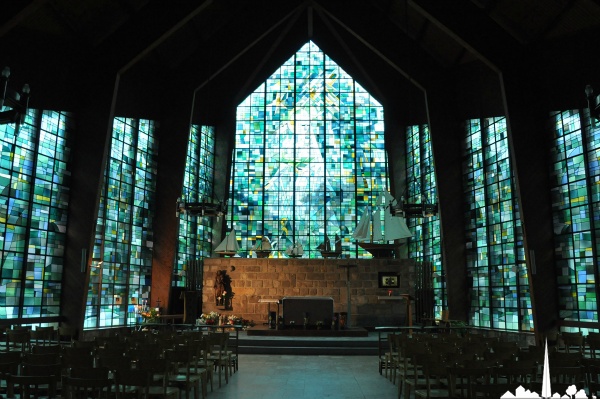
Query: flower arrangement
x=211, y=318
x=214, y=318
x=237, y=320
x=150, y=316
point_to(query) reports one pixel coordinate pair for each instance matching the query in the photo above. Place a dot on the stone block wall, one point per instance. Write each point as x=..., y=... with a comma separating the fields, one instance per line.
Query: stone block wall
x=253, y=279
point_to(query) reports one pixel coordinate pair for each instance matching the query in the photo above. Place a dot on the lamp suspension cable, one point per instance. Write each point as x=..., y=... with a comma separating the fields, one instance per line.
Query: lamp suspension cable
x=17, y=103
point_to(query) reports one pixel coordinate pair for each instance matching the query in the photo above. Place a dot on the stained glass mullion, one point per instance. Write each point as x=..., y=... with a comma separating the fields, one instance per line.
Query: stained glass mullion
x=425, y=244
x=574, y=207
x=33, y=170
x=587, y=275
x=29, y=300
x=195, y=232
x=120, y=272
x=496, y=258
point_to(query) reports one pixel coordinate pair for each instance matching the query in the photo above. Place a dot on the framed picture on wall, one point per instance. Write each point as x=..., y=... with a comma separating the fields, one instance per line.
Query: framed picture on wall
x=388, y=280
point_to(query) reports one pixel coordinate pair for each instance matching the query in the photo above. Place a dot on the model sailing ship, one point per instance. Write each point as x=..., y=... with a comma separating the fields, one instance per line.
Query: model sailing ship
x=375, y=237
x=229, y=246
x=327, y=251
x=294, y=251
x=264, y=248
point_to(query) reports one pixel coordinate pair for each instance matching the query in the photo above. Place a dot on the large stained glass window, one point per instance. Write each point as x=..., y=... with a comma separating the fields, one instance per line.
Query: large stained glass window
x=499, y=287
x=309, y=157
x=34, y=196
x=575, y=178
x=195, y=232
x=120, y=276
x=425, y=244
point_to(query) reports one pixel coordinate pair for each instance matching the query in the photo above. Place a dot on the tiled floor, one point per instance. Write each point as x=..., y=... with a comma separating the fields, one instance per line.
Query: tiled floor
x=306, y=377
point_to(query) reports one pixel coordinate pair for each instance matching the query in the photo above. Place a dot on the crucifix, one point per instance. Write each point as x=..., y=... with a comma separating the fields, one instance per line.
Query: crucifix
x=349, y=301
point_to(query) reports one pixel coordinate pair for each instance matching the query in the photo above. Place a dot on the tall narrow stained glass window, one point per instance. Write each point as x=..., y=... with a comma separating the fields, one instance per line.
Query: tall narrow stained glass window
x=195, y=232
x=499, y=286
x=309, y=157
x=120, y=276
x=425, y=244
x=34, y=197
x=575, y=177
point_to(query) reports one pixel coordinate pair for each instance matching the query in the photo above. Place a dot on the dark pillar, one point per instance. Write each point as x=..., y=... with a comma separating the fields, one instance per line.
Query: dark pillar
x=224, y=145
x=530, y=142
x=89, y=152
x=395, y=145
x=447, y=137
x=172, y=151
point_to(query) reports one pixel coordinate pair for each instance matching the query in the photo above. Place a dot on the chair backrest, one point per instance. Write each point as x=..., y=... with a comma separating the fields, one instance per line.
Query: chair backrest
x=21, y=328
x=32, y=386
x=572, y=359
x=98, y=373
x=197, y=350
x=462, y=380
x=436, y=373
x=592, y=340
x=566, y=375
x=145, y=355
x=111, y=350
x=9, y=368
x=45, y=358
x=41, y=369
x=392, y=343
x=160, y=374
x=67, y=333
x=180, y=358
x=101, y=342
x=573, y=341
x=10, y=357
x=593, y=336
x=46, y=349
x=77, y=350
x=593, y=378
x=138, y=379
x=144, y=345
x=141, y=336
x=81, y=347
x=195, y=335
x=43, y=335
x=77, y=358
x=19, y=339
x=115, y=363
x=84, y=388
x=218, y=341
x=521, y=372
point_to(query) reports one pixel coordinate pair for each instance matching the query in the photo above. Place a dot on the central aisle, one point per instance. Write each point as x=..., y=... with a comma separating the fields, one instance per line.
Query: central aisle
x=306, y=377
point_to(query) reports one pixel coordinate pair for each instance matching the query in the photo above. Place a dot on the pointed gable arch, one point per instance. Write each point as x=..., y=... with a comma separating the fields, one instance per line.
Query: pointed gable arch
x=309, y=156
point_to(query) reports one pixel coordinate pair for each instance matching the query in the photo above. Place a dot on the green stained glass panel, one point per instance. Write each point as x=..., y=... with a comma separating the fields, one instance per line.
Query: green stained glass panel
x=309, y=156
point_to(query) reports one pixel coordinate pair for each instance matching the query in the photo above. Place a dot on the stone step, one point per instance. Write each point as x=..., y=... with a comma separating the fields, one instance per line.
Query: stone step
x=315, y=346
x=303, y=350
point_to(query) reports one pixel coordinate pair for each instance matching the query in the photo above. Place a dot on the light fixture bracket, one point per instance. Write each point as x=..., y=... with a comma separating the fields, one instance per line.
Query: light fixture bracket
x=208, y=208
x=593, y=104
x=15, y=104
x=415, y=210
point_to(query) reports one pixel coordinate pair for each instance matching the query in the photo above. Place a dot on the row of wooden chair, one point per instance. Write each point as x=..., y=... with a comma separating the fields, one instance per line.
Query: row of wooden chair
x=200, y=356
x=22, y=337
x=408, y=357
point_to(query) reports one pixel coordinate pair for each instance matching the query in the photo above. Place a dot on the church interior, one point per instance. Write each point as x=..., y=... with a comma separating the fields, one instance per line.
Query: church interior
x=312, y=168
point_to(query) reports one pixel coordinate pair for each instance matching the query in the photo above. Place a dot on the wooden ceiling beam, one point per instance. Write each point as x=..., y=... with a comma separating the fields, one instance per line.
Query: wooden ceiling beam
x=377, y=91
x=374, y=49
x=473, y=29
x=145, y=52
x=26, y=12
